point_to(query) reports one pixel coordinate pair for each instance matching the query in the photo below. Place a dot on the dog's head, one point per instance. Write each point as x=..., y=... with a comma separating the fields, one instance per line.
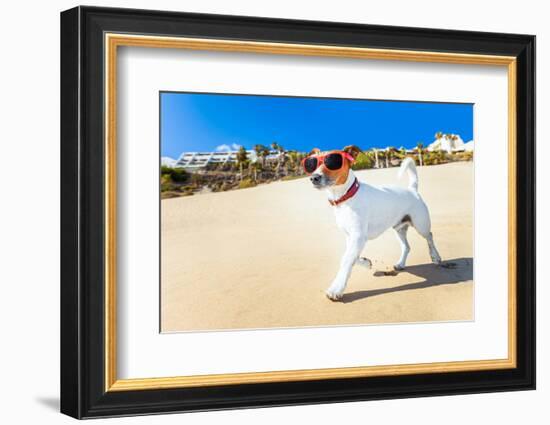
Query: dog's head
x=330, y=170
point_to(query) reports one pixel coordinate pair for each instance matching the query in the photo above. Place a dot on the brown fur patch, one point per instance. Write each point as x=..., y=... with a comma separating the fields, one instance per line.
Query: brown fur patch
x=353, y=150
x=339, y=176
x=314, y=151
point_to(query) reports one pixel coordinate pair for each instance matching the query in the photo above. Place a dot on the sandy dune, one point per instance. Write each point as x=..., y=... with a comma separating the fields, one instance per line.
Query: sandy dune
x=262, y=257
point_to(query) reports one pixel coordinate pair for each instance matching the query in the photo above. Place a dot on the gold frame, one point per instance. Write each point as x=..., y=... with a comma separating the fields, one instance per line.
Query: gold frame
x=113, y=41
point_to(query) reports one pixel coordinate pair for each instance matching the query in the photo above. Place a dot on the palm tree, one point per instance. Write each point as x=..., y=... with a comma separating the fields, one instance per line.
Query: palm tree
x=419, y=148
x=242, y=157
x=262, y=152
x=298, y=161
x=293, y=160
x=389, y=150
x=258, y=150
x=275, y=146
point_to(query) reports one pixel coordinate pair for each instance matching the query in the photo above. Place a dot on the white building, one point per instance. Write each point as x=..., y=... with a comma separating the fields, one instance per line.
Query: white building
x=196, y=160
x=447, y=142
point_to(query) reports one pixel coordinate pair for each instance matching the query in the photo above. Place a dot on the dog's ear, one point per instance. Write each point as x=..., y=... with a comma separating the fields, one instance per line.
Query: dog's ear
x=315, y=151
x=353, y=150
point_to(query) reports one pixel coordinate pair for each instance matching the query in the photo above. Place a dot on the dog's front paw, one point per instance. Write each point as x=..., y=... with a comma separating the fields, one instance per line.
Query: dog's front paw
x=334, y=292
x=333, y=296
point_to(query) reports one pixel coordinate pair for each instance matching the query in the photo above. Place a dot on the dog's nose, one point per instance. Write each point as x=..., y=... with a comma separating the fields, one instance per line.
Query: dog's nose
x=315, y=179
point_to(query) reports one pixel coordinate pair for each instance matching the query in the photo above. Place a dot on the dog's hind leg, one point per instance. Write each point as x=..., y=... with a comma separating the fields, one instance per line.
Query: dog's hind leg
x=436, y=258
x=422, y=224
x=401, y=232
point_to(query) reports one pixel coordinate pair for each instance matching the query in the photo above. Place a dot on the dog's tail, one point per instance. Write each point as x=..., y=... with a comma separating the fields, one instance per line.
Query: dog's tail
x=409, y=166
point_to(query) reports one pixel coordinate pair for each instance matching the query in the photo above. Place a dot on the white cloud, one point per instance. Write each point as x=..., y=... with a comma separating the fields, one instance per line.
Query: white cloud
x=228, y=148
x=223, y=148
x=167, y=161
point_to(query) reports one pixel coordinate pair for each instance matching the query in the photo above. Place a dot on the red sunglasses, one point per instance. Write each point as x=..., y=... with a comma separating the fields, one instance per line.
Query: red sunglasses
x=333, y=161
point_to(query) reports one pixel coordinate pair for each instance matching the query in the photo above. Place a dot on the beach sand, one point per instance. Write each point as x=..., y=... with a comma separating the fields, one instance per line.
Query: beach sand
x=262, y=258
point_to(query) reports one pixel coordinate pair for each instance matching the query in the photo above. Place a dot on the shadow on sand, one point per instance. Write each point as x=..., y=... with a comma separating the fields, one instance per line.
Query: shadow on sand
x=450, y=272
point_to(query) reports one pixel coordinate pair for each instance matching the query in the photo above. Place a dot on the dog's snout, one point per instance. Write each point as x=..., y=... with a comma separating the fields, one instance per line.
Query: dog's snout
x=315, y=179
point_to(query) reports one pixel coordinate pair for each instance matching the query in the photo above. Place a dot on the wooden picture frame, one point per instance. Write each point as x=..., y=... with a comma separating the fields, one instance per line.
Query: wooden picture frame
x=90, y=38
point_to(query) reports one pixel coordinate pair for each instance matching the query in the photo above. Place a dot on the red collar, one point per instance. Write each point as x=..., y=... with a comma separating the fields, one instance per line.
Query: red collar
x=349, y=193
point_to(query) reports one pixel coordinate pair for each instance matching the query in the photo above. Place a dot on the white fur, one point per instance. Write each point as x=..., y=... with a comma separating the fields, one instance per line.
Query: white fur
x=372, y=211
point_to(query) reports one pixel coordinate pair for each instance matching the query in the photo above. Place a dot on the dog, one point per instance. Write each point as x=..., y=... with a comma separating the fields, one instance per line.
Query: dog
x=366, y=211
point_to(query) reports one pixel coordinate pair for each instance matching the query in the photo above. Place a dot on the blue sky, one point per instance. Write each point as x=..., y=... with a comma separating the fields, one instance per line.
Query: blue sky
x=207, y=122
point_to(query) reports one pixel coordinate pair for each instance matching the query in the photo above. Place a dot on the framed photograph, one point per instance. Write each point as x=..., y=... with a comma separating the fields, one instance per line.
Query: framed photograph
x=261, y=212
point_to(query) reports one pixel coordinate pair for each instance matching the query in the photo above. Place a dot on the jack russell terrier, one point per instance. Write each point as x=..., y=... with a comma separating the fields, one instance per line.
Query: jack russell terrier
x=364, y=212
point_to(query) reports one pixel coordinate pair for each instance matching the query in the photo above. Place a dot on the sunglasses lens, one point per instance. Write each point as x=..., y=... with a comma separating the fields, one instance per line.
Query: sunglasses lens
x=310, y=164
x=333, y=161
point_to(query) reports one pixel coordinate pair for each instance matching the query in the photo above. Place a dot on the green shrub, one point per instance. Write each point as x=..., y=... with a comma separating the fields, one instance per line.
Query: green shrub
x=292, y=177
x=186, y=189
x=168, y=195
x=436, y=157
x=167, y=186
x=246, y=183
x=165, y=170
x=178, y=175
x=464, y=156
x=364, y=160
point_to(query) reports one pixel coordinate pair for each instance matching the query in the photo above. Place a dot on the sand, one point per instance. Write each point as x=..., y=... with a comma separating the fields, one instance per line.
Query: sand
x=262, y=258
